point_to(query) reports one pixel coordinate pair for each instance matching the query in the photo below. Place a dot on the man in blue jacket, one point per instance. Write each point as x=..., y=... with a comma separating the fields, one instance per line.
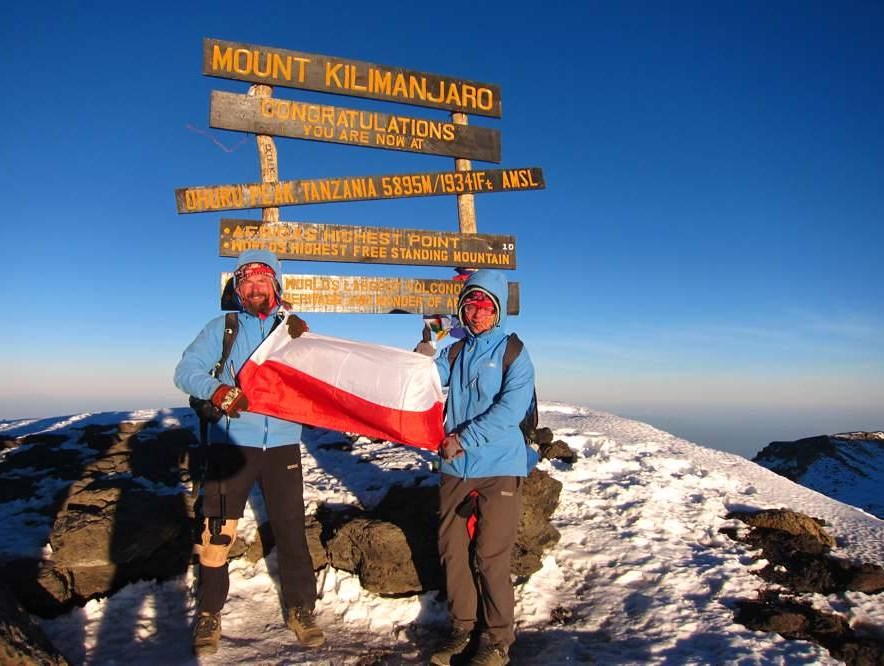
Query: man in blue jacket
x=245, y=448
x=484, y=463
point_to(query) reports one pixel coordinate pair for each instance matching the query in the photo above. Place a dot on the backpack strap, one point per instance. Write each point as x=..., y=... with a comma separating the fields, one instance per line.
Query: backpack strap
x=231, y=328
x=513, y=349
x=453, y=352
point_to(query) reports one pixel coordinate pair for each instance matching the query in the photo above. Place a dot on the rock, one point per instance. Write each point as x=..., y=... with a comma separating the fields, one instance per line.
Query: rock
x=799, y=621
x=800, y=560
x=415, y=511
x=868, y=578
x=377, y=551
x=787, y=521
x=22, y=641
x=543, y=436
x=125, y=518
x=791, y=459
x=540, y=497
x=41, y=588
x=114, y=531
x=394, y=549
x=35, y=459
x=558, y=450
x=848, y=467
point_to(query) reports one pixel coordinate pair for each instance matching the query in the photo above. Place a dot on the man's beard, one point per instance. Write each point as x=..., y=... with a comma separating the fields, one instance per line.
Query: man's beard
x=257, y=306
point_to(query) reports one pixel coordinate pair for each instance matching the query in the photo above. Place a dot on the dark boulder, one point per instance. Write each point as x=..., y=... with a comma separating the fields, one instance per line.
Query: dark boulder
x=22, y=641
x=798, y=553
x=124, y=518
x=798, y=621
x=787, y=520
x=558, y=450
x=394, y=551
x=540, y=497
x=379, y=553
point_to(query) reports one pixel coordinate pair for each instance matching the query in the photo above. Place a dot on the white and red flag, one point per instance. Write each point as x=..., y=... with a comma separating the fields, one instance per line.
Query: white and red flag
x=348, y=386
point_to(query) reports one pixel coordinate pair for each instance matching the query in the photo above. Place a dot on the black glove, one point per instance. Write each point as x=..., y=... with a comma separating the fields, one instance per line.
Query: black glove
x=450, y=447
x=296, y=326
x=230, y=400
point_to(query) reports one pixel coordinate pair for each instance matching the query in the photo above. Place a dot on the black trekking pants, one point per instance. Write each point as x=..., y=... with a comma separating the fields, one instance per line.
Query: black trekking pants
x=232, y=472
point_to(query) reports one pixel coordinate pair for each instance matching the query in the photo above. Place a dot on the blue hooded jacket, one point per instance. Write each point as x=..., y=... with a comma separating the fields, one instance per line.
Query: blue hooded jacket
x=485, y=406
x=192, y=373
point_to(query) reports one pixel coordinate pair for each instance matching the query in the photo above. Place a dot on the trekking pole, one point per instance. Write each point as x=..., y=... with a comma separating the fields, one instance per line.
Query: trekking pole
x=321, y=589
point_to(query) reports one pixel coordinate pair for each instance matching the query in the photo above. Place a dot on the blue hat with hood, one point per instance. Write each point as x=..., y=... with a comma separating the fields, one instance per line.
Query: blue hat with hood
x=492, y=283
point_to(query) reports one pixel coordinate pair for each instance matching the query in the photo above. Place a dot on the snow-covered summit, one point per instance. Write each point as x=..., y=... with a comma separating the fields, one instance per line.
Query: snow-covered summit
x=642, y=573
x=848, y=466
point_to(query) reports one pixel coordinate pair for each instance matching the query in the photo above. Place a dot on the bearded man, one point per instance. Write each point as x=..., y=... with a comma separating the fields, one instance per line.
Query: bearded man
x=246, y=447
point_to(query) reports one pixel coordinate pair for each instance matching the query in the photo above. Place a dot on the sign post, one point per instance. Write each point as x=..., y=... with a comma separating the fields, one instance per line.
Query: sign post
x=303, y=241
x=266, y=116
x=269, y=164
x=356, y=188
x=466, y=204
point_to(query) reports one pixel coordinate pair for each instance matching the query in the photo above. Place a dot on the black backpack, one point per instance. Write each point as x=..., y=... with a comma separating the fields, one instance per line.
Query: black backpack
x=528, y=425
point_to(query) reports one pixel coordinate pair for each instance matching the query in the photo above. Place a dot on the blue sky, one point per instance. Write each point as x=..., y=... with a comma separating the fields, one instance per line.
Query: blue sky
x=706, y=256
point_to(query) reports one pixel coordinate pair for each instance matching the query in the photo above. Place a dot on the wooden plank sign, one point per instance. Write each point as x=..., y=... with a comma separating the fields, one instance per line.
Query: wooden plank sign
x=367, y=245
x=318, y=122
x=355, y=188
x=372, y=295
x=309, y=71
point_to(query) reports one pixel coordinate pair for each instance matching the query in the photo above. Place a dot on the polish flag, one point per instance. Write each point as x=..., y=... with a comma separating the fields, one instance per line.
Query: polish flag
x=349, y=386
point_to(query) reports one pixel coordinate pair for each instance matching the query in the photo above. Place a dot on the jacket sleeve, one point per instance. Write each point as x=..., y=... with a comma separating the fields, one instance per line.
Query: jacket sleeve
x=192, y=374
x=507, y=410
x=444, y=367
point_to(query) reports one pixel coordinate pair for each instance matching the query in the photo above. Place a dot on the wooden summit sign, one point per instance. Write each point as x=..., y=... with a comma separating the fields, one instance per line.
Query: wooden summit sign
x=369, y=295
x=368, y=245
x=355, y=188
x=318, y=122
x=309, y=71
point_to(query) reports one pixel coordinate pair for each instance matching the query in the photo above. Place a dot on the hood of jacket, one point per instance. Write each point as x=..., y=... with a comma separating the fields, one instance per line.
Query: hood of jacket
x=493, y=283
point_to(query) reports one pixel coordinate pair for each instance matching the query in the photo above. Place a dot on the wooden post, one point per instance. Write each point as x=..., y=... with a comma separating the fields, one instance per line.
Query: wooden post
x=466, y=204
x=266, y=155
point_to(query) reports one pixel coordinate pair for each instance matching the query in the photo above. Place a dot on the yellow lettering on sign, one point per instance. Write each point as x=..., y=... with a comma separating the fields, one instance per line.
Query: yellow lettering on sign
x=483, y=258
x=222, y=60
x=445, y=288
x=421, y=254
x=380, y=82
x=399, y=87
x=257, y=63
x=332, y=74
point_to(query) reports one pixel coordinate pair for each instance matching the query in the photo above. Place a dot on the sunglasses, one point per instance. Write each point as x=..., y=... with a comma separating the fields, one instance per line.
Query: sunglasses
x=486, y=307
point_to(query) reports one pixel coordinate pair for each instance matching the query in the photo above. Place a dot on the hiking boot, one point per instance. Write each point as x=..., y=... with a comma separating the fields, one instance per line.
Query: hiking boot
x=206, y=633
x=490, y=653
x=455, y=643
x=301, y=621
